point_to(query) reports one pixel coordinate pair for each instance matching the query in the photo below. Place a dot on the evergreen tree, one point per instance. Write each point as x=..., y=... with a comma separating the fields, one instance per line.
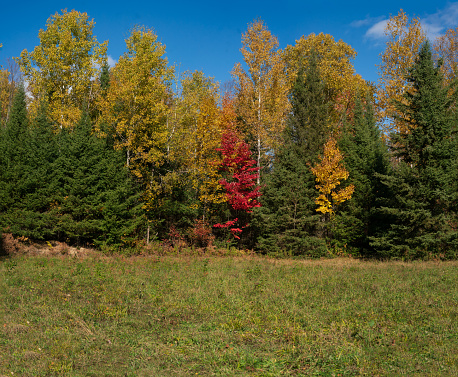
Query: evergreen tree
x=78, y=189
x=422, y=209
x=97, y=202
x=366, y=157
x=105, y=77
x=30, y=217
x=288, y=214
x=14, y=156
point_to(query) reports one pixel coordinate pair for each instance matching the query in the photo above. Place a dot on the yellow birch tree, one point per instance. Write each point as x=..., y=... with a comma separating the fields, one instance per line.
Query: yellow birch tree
x=404, y=38
x=262, y=93
x=197, y=135
x=335, y=67
x=446, y=48
x=329, y=173
x=6, y=95
x=135, y=106
x=61, y=70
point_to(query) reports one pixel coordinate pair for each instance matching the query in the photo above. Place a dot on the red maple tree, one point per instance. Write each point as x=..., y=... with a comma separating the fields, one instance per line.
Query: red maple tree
x=241, y=190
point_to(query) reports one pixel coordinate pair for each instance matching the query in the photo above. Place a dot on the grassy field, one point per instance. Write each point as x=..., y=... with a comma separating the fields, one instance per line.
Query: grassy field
x=169, y=316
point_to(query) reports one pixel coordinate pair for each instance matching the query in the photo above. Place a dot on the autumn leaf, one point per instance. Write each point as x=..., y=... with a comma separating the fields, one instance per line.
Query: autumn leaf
x=135, y=107
x=261, y=93
x=446, y=49
x=240, y=186
x=196, y=134
x=405, y=36
x=329, y=174
x=62, y=68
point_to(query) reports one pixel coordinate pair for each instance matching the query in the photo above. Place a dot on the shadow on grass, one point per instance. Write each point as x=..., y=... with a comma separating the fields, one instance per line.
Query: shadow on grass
x=2, y=251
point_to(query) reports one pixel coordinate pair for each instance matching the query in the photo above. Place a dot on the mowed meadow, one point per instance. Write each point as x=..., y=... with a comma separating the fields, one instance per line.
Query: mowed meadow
x=97, y=315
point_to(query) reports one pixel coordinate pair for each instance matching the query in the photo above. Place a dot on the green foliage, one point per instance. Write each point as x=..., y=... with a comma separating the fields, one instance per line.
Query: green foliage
x=14, y=154
x=29, y=215
x=366, y=157
x=105, y=77
x=97, y=202
x=288, y=219
x=422, y=209
x=74, y=188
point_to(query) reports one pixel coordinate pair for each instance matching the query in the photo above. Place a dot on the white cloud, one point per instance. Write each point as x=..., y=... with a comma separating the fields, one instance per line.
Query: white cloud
x=432, y=31
x=446, y=17
x=377, y=31
x=434, y=24
x=111, y=61
x=367, y=21
x=437, y=23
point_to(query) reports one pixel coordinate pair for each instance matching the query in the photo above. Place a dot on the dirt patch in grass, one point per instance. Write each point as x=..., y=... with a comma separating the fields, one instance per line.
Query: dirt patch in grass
x=10, y=246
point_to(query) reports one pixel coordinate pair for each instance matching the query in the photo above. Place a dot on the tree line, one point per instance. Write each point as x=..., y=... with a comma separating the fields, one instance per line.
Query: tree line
x=299, y=156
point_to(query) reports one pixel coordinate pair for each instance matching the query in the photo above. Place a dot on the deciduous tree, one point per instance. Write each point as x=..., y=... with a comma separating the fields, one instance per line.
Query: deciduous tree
x=329, y=174
x=240, y=186
x=335, y=67
x=135, y=107
x=404, y=38
x=197, y=135
x=261, y=93
x=62, y=68
x=446, y=49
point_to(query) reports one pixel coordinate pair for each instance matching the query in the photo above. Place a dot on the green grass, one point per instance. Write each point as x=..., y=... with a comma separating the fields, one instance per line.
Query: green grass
x=168, y=316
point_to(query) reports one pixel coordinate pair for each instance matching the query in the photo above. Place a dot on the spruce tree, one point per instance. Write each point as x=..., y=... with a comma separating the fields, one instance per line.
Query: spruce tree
x=31, y=216
x=105, y=77
x=78, y=189
x=288, y=214
x=14, y=146
x=366, y=157
x=98, y=202
x=422, y=209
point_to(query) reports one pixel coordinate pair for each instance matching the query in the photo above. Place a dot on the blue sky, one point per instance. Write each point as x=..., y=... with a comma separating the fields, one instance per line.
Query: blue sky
x=206, y=35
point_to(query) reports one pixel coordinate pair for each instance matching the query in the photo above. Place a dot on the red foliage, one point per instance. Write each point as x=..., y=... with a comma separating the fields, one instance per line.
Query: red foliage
x=242, y=191
x=228, y=224
x=200, y=234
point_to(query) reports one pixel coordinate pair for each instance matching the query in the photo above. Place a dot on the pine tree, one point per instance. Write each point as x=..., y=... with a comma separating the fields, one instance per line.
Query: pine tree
x=289, y=221
x=105, y=77
x=424, y=185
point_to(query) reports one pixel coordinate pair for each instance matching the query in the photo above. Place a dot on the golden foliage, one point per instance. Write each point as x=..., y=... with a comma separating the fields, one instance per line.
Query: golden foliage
x=135, y=107
x=197, y=135
x=62, y=68
x=329, y=173
x=335, y=68
x=6, y=94
x=405, y=36
x=262, y=92
x=446, y=48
